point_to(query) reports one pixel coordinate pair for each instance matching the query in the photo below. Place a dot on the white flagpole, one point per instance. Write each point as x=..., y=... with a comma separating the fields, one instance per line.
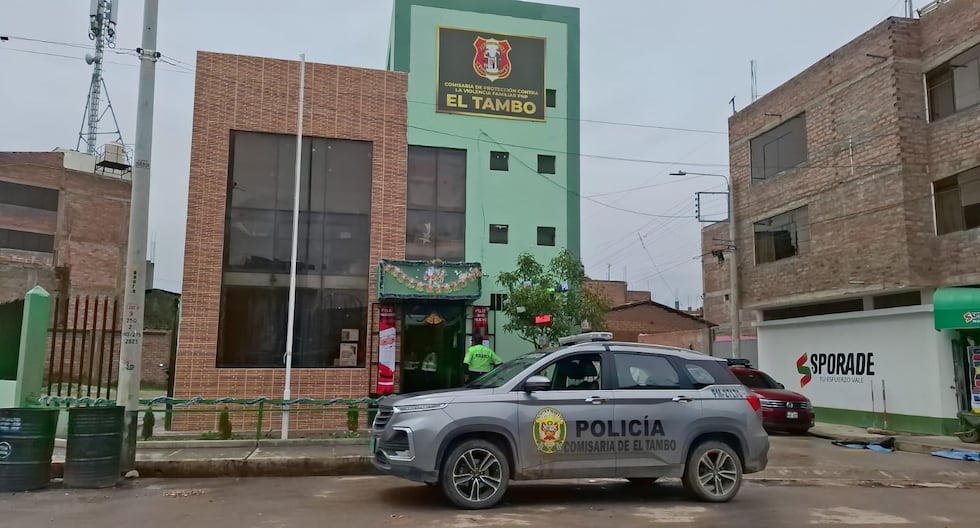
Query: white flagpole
x=292, y=259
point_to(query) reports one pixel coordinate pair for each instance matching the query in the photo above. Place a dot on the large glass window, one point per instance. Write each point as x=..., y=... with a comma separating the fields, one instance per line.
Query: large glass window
x=957, y=200
x=955, y=85
x=782, y=236
x=436, y=218
x=779, y=149
x=333, y=252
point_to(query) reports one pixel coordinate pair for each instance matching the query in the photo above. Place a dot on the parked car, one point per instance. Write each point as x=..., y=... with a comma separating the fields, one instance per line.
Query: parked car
x=782, y=410
x=590, y=408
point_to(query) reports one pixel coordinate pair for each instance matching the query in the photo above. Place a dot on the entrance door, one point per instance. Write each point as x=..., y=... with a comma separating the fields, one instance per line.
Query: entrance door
x=433, y=338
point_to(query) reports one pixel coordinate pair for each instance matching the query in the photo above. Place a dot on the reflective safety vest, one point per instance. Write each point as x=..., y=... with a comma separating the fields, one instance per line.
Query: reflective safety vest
x=429, y=364
x=481, y=359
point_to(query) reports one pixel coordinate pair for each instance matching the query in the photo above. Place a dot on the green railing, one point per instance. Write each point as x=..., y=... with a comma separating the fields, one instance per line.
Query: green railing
x=260, y=406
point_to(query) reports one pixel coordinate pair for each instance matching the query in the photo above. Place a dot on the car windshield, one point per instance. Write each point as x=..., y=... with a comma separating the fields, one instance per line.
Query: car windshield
x=754, y=379
x=506, y=371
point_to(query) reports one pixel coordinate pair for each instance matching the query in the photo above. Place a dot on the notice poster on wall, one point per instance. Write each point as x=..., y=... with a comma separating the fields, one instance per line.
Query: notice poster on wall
x=975, y=354
x=481, y=321
x=386, y=351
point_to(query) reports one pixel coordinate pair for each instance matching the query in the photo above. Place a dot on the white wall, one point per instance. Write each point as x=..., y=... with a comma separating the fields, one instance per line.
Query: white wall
x=910, y=356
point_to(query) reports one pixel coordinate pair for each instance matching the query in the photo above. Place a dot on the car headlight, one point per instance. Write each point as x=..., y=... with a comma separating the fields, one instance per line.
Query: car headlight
x=772, y=403
x=420, y=407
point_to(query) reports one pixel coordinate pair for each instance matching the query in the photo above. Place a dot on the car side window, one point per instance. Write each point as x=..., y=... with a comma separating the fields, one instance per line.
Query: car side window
x=701, y=377
x=645, y=371
x=578, y=372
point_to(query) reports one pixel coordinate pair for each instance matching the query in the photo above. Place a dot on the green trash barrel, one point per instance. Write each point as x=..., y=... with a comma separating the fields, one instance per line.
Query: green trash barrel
x=92, y=455
x=26, y=446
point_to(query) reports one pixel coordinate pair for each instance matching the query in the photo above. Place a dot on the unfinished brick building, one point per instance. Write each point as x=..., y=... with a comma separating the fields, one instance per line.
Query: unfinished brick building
x=857, y=198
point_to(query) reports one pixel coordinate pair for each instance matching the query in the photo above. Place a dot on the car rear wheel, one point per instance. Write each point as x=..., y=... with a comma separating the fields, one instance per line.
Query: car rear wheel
x=475, y=475
x=713, y=472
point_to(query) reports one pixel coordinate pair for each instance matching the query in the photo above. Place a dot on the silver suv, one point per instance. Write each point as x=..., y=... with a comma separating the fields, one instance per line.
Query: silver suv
x=590, y=408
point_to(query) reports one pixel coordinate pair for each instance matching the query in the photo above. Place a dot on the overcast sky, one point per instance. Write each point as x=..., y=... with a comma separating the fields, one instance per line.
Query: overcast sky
x=655, y=63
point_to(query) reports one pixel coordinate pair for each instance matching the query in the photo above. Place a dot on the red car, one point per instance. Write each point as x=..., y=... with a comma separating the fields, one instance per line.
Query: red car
x=782, y=410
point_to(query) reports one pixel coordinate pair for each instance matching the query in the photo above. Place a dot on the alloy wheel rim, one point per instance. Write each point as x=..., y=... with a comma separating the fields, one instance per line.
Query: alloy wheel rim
x=477, y=475
x=717, y=473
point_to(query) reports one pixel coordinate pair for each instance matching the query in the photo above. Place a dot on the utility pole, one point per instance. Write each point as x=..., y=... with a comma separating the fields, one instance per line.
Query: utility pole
x=734, y=307
x=131, y=352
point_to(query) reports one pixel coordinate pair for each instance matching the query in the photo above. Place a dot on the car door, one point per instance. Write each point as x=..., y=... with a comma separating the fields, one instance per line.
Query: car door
x=564, y=431
x=655, y=406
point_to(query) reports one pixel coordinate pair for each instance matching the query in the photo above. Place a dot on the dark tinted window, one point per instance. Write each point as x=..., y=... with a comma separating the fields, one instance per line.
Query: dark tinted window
x=28, y=196
x=779, y=149
x=498, y=160
x=645, y=371
x=755, y=379
x=550, y=97
x=546, y=236
x=782, y=236
x=546, y=164
x=26, y=241
x=435, y=223
x=498, y=233
x=578, y=372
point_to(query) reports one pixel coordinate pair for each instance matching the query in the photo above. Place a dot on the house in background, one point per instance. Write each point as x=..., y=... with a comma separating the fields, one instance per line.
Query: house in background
x=636, y=317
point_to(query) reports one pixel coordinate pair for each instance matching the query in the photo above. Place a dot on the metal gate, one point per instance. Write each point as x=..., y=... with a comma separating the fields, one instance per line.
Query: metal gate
x=82, y=347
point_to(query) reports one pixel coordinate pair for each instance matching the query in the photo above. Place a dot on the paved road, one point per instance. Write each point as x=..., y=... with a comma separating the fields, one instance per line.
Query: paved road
x=849, y=490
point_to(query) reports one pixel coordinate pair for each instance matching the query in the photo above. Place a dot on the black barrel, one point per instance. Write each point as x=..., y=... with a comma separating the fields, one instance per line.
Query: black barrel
x=92, y=456
x=26, y=445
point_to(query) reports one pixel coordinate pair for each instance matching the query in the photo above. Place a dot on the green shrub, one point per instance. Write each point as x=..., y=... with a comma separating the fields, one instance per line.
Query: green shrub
x=224, y=425
x=353, y=417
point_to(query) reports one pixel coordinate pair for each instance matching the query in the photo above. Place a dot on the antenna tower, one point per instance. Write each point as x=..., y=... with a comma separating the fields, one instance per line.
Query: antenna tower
x=102, y=29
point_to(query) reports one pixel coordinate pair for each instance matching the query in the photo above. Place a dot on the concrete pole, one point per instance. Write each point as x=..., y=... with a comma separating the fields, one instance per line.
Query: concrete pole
x=130, y=356
x=736, y=323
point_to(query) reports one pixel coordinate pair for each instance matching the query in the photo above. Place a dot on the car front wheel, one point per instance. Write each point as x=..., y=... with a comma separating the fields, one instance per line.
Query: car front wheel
x=475, y=475
x=713, y=472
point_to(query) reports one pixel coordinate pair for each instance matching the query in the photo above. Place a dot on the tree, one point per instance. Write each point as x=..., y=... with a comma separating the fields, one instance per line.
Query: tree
x=533, y=291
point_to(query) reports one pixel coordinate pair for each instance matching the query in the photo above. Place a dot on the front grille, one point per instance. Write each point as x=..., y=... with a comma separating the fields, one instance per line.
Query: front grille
x=776, y=404
x=381, y=420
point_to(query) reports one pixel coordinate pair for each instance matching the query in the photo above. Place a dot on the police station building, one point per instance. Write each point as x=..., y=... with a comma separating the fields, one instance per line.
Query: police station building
x=418, y=186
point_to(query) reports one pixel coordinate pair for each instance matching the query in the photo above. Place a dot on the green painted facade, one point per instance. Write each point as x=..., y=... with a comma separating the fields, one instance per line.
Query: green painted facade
x=520, y=197
x=904, y=423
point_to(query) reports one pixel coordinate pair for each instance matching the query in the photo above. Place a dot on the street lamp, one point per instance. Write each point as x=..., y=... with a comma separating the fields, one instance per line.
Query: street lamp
x=736, y=326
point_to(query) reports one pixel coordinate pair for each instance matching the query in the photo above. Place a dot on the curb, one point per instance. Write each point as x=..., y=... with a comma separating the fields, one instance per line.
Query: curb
x=358, y=465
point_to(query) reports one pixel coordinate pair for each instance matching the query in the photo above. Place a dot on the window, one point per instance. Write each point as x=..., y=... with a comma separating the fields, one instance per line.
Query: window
x=546, y=164
x=957, y=201
x=546, y=236
x=895, y=300
x=779, y=149
x=26, y=241
x=333, y=252
x=498, y=160
x=550, y=98
x=755, y=379
x=435, y=224
x=810, y=310
x=645, y=371
x=28, y=196
x=782, y=236
x=498, y=233
x=955, y=85
x=497, y=301
x=579, y=372
x=701, y=377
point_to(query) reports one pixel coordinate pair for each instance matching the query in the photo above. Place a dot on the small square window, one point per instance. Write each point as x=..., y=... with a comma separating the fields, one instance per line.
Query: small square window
x=546, y=164
x=550, y=97
x=546, y=236
x=497, y=301
x=498, y=233
x=498, y=160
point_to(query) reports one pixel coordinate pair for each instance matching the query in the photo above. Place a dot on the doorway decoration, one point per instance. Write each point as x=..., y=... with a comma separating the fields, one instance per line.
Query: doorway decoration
x=429, y=280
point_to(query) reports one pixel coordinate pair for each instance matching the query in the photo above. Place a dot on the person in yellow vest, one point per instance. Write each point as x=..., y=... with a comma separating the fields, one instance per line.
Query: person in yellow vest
x=479, y=359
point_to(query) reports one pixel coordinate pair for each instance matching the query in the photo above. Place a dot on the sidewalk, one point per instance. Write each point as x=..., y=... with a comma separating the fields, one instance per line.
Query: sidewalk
x=903, y=442
x=791, y=458
x=234, y=458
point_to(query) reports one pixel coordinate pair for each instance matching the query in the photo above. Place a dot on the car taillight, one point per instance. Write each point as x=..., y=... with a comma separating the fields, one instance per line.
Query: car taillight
x=755, y=402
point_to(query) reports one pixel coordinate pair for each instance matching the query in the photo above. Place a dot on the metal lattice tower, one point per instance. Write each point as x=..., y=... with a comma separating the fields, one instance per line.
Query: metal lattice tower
x=102, y=30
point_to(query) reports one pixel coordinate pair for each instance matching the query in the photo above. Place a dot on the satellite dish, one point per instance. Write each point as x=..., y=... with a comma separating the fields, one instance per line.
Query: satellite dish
x=89, y=58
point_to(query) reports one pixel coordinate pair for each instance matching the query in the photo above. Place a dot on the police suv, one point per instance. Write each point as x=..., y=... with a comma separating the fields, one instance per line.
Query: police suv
x=590, y=408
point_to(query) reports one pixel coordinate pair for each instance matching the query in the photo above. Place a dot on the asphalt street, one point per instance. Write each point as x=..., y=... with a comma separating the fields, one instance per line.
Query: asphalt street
x=852, y=488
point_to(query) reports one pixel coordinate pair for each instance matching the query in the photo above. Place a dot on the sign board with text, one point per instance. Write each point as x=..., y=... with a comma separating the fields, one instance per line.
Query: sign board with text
x=490, y=74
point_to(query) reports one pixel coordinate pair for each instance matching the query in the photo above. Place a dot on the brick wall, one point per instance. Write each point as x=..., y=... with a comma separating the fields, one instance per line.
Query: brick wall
x=90, y=227
x=627, y=323
x=873, y=156
x=699, y=340
x=613, y=291
x=256, y=94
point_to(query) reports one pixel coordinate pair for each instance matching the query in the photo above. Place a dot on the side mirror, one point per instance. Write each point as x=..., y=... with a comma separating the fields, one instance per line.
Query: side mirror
x=537, y=383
